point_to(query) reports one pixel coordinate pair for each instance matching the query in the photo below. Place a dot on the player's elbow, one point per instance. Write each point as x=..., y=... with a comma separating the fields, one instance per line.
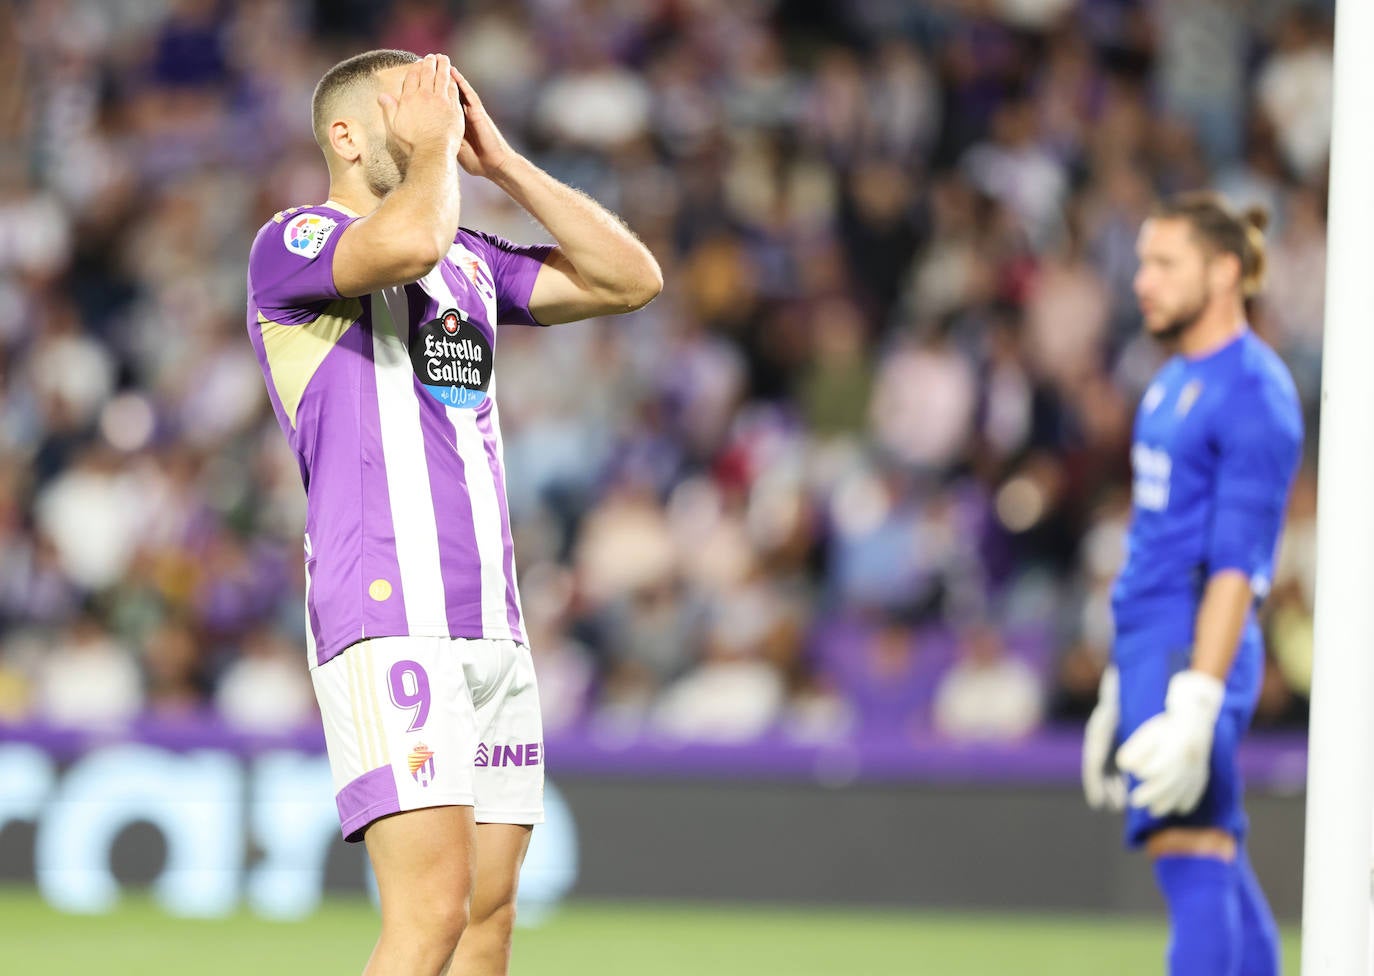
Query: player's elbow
x=366, y=266
x=428, y=252
x=640, y=288
x=416, y=258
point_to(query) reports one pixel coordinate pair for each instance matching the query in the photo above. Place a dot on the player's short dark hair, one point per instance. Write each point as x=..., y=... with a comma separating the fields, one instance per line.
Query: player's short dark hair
x=1224, y=230
x=344, y=75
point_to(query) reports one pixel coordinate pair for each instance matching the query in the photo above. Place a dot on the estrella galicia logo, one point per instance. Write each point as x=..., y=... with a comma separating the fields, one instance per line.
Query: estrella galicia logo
x=453, y=360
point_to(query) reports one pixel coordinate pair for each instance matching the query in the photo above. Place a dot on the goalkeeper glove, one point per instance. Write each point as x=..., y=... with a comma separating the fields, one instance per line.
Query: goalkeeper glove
x=1103, y=785
x=1171, y=753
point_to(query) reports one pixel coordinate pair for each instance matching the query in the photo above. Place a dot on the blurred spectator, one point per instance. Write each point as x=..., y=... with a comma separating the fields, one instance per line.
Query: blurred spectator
x=1201, y=70
x=887, y=673
x=923, y=400
x=887, y=390
x=988, y=694
x=563, y=665
x=94, y=512
x=86, y=679
x=266, y=688
x=1295, y=298
x=1296, y=89
x=172, y=662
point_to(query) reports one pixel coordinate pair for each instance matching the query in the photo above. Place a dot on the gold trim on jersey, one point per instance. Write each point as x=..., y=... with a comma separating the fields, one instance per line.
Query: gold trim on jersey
x=336, y=205
x=295, y=352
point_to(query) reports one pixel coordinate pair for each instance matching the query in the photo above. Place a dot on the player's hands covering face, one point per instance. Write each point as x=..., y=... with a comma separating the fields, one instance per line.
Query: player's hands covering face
x=428, y=113
x=484, y=150
x=1170, y=753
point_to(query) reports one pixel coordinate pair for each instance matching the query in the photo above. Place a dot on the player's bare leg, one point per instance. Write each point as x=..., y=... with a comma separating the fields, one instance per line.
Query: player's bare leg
x=484, y=949
x=423, y=860
x=1192, y=842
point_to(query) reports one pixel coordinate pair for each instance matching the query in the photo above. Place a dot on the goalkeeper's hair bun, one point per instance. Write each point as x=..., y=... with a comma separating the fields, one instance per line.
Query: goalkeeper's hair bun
x=1254, y=263
x=1223, y=230
x=1257, y=217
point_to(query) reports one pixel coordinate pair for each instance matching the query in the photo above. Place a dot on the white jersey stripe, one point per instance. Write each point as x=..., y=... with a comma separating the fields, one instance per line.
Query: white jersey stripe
x=407, y=472
x=486, y=511
x=312, y=654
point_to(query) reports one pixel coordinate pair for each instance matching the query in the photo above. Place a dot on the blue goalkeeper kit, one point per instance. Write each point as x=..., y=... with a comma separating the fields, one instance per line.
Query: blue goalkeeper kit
x=1217, y=442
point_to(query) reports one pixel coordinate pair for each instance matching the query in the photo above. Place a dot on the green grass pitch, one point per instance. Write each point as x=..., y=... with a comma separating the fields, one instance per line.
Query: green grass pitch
x=588, y=938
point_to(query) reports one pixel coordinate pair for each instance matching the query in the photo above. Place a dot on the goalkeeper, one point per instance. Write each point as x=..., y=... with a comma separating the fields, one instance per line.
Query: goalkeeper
x=1218, y=437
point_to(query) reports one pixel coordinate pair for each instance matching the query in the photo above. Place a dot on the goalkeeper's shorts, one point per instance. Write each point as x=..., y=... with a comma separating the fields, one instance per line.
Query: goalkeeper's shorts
x=1146, y=659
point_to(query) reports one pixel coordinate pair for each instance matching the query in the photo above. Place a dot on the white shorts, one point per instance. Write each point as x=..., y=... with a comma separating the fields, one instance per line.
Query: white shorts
x=413, y=722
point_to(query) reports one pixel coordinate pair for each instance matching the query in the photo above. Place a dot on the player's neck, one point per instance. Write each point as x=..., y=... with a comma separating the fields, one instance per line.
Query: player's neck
x=1215, y=329
x=358, y=199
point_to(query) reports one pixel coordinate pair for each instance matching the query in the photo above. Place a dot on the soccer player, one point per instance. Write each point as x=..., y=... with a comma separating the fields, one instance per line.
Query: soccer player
x=1217, y=442
x=375, y=318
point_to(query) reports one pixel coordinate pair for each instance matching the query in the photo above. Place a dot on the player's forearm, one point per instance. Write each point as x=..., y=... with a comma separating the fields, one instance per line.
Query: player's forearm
x=1220, y=622
x=607, y=257
x=423, y=211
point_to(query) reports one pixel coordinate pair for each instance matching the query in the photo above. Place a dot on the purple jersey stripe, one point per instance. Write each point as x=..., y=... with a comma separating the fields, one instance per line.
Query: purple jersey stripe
x=459, y=559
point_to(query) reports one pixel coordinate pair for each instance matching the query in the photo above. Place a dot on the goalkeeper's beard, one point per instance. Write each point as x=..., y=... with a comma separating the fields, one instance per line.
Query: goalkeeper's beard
x=1173, y=330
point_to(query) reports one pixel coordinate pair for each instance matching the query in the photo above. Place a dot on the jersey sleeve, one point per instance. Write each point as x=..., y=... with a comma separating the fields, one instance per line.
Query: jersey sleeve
x=1259, y=446
x=514, y=268
x=291, y=264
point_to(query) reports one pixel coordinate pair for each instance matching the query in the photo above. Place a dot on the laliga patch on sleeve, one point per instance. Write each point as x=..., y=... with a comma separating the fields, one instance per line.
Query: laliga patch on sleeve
x=306, y=234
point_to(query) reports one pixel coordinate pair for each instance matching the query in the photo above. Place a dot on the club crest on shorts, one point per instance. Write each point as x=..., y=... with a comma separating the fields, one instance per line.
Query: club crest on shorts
x=421, y=762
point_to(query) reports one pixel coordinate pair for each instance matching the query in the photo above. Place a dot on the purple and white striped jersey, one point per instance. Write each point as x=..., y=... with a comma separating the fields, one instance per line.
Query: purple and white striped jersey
x=388, y=402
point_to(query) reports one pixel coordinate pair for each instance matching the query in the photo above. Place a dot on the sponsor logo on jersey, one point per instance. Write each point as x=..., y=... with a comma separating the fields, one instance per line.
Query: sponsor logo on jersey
x=522, y=754
x=1152, y=469
x=421, y=762
x=306, y=235
x=453, y=360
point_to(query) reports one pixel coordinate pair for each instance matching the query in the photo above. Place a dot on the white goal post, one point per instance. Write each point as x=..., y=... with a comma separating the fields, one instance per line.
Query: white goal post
x=1340, y=778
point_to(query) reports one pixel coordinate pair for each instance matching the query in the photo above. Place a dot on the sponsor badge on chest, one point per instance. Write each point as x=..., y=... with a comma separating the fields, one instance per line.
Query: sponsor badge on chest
x=453, y=360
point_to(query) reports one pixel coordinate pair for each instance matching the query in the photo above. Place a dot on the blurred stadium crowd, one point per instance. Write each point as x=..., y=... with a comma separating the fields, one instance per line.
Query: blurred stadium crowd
x=862, y=468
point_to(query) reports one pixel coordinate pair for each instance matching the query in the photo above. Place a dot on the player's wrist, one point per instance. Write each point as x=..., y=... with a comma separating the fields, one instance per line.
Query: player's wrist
x=1195, y=693
x=441, y=143
x=508, y=171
